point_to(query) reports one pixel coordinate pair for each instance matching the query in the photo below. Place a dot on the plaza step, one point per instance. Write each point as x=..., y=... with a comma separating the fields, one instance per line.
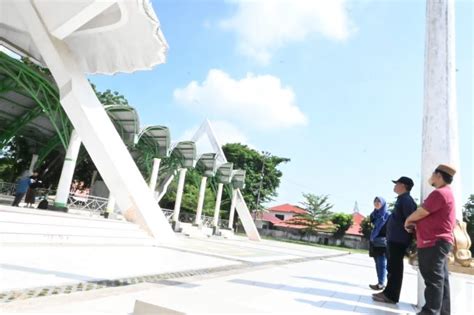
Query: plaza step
x=228, y=234
x=191, y=230
x=33, y=226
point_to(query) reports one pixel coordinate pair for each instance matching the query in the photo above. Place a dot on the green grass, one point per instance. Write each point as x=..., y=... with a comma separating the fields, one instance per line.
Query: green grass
x=341, y=248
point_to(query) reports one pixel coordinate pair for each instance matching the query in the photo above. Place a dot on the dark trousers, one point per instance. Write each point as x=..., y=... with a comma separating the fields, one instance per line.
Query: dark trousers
x=395, y=254
x=18, y=197
x=433, y=266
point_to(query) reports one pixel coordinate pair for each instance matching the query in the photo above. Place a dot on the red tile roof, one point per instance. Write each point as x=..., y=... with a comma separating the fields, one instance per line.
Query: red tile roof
x=269, y=217
x=287, y=208
x=355, y=228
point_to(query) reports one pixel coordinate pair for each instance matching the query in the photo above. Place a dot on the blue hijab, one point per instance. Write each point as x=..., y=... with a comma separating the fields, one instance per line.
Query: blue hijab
x=379, y=218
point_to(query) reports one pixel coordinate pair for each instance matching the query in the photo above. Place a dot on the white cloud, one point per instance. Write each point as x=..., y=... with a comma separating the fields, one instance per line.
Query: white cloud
x=258, y=101
x=262, y=26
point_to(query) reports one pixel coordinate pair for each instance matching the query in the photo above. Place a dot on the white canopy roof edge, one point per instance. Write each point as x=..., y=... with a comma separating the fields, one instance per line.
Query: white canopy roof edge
x=101, y=34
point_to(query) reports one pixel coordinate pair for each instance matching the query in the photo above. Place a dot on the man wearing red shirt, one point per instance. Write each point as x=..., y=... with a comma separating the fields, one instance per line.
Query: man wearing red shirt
x=434, y=222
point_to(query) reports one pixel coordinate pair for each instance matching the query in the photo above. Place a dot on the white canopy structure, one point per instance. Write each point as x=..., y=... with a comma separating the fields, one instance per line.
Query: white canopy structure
x=227, y=175
x=73, y=38
x=104, y=36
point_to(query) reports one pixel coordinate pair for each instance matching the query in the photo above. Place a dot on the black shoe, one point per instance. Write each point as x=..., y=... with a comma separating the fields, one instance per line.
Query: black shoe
x=380, y=297
x=376, y=287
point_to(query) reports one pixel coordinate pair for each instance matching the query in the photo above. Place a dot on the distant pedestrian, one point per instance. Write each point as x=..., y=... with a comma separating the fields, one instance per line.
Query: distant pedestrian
x=35, y=182
x=22, y=185
x=378, y=241
x=434, y=222
x=398, y=240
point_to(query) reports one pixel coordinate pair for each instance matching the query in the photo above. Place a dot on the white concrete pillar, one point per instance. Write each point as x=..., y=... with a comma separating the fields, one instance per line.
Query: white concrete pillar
x=34, y=158
x=179, y=194
x=217, y=208
x=232, y=208
x=202, y=195
x=67, y=172
x=94, y=177
x=154, y=174
x=440, y=125
x=111, y=204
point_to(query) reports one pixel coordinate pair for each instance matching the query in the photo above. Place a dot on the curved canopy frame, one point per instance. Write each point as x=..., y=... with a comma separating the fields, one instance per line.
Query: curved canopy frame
x=207, y=164
x=126, y=121
x=238, y=179
x=224, y=173
x=29, y=106
x=156, y=139
x=186, y=151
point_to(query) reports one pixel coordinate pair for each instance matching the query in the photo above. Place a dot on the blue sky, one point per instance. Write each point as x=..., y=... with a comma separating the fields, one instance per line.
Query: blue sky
x=336, y=86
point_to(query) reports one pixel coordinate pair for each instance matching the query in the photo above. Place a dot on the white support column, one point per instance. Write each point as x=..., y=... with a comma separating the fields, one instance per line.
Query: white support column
x=154, y=174
x=97, y=132
x=440, y=128
x=217, y=208
x=232, y=208
x=94, y=177
x=110, y=204
x=245, y=217
x=179, y=194
x=67, y=172
x=34, y=158
x=202, y=195
x=440, y=142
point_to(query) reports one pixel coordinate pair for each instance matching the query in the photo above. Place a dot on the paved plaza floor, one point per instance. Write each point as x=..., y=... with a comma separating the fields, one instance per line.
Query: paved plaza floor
x=199, y=276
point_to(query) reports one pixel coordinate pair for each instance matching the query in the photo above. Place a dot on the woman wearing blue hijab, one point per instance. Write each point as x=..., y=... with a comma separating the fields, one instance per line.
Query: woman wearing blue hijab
x=378, y=241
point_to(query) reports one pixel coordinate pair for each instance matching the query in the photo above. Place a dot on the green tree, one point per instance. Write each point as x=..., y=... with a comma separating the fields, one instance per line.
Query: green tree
x=258, y=189
x=109, y=97
x=318, y=207
x=190, y=195
x=366, y=227
x=468, y=215
x=343, y=221
x=317, y=216
x=14, y=159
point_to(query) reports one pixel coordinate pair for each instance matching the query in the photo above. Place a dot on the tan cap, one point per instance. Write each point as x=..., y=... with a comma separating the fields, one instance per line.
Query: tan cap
x=446, y=169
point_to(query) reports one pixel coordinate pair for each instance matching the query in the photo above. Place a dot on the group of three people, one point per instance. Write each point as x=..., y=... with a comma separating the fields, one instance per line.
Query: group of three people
x=392, y=234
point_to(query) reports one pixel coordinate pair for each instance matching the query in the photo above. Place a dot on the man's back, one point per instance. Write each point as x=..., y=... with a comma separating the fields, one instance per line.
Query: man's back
x=441, y=221
x=396, y=232
x=22, y=185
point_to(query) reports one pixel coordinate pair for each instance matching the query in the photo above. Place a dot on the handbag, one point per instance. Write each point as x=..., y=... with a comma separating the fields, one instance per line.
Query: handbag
x=380, y=241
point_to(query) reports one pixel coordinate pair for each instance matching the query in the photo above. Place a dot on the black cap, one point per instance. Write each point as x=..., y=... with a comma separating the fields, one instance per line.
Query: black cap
x=404, y=180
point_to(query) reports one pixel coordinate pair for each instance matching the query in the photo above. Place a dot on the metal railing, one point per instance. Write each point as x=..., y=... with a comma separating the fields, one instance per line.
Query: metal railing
x=168, y=213
x=92, y=204
x=7, y=188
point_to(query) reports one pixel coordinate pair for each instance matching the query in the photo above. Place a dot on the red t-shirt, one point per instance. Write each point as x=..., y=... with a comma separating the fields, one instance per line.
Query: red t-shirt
x=439, y=224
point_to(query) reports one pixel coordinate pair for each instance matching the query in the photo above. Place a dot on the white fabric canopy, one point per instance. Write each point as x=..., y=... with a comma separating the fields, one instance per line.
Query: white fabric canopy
x=105, y=36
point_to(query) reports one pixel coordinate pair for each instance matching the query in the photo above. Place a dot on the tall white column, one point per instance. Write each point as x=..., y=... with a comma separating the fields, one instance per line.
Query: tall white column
x=34, y=158
x=202, y=195
x=179, y=194
x=440, y=125
x=67, y=172
x=110, y=204
x=232, y=208
x=154, y=174
x=217, y=208
x=94, y=177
